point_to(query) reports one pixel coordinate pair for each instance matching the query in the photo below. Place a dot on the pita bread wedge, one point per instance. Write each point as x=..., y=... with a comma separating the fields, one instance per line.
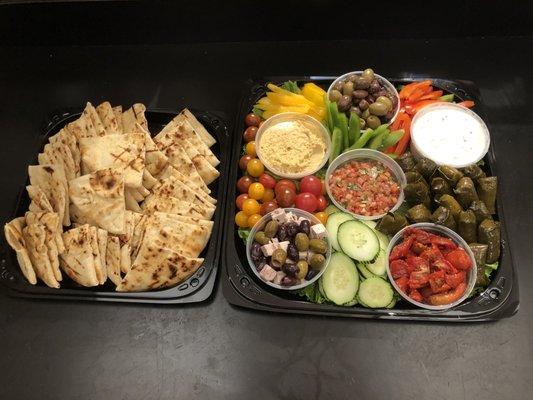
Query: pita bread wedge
x=172, y=187
x=156, y=268
x=148, y=180
x=91, y=114
x=58, y=154
x=39, y=201
x=198, y=127
x=98, y=199
x=13, y=232
x=118, y=115
x=69, y=140
x=171, y=171
x=113, y=259
x=35, y=239
x=131, y=203
x=172, y=205
x=102, y=249
x=125, y=152
x=125, y=241
x=51, y=180
x=156, y=161
x=108, y=118
x=82, y=127
x=77, y=261
x=132, y=116
x=138, y=234
x=204, y=168
x=101, y=273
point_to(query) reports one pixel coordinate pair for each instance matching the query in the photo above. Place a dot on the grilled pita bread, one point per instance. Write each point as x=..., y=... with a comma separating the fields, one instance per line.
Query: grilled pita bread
x=125, y=152
x=131, y=203
x=204, y=168
x=125, y=241
x=172, y=187
x=101, y=273
x=82, y=127
x=139, y=222
x=39, y=201
x=91, y=115
x=132, y=116
x=156, y=161
x=156, y=268
x=108, y=118
x=148, y=180
x=198, y=127
x=172, y=205
x=78, y=258
x=98, y=199
x=118, y=115
x=69, y=140
x=58, y=154
x=13, y=232
x=51, y=180
x=35, y=239
x=102, y=249
x=171, y=171
x=113, y=259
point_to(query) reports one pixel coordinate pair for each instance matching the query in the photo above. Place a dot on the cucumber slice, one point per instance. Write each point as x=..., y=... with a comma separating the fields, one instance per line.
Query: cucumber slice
x=332, y=226
x=364, y=271
x=357, y=240
x=379, y=265
x=321, y=289
x=392, y=303
x=371, y=224
x=375, y=292
x=332, y=209
x=340, y=281
x=351, y=303
x=383, y=240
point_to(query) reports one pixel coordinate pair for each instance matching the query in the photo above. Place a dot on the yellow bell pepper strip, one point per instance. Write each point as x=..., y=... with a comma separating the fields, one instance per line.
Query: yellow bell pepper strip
x=314, y=93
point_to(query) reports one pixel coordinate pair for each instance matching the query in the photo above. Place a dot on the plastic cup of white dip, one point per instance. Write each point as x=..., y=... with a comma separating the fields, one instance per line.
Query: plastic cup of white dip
x=449, y=134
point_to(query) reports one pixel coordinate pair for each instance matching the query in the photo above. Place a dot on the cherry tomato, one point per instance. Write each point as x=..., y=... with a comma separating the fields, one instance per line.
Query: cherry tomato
x=306, y=201
x=250, y=207
x=250, y=149
x=244, y=183
x=286, y=182
x=285, y=196
x=322, y=217
x=249, y=133
x=241, y=219
x=323, y=192
x=255, y=168
x=322, y=203
x=268, y=181
x=256, y=191
x=268, y=206
x=240, y=199
x=243, y=162
x=268, y=195
x=252, y=220
x=311, y=184
x=252, y=120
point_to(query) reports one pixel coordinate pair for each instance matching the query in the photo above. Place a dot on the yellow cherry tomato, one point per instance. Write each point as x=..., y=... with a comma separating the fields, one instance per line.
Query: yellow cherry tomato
x=250, y=149
x=241, y=219
x=322, y=217
x=255, y=168
x=252, y=220
x=256, y=191
x=268, y=195
x=250, y=207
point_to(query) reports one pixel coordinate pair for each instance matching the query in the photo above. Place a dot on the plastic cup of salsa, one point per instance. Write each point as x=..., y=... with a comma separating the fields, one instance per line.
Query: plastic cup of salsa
x=367, y=155
x=447, y=233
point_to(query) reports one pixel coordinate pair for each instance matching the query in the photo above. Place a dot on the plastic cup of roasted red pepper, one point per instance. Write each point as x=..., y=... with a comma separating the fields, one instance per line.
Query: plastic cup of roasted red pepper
x=431, y=266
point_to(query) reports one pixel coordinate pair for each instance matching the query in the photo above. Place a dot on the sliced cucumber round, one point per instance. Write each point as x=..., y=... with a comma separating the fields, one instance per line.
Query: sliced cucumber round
x=357, y=240
x=340, y=280
x=375, y=292
x=332, y=226
x=332, y=209
x=379, y=265
x=351, y=303
x=383, y=240
x=368, y=222
x=364, y=271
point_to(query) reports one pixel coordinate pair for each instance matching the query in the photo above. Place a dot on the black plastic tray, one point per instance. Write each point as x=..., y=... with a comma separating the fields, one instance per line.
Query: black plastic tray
x=242, y=288
x=197, y=288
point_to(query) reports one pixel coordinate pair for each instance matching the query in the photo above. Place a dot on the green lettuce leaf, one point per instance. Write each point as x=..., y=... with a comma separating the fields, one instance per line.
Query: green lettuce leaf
x=291, y=86
x=312, y=294
x=244, y=233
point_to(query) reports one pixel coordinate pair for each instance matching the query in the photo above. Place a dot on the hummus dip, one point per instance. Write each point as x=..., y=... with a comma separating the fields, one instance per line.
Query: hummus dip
x=292, y=147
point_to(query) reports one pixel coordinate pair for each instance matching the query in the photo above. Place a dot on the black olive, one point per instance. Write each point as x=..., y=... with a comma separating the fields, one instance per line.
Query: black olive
x=292, y=252
x=292, y=229
x=255, y=251
x=305, y=227
x=291, y=269
x=311, y=274
x=282, y=233
x=288, y=281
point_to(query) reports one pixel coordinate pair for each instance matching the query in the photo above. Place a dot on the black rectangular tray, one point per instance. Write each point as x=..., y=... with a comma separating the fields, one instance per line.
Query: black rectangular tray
x=242, y=288
x=197, y=288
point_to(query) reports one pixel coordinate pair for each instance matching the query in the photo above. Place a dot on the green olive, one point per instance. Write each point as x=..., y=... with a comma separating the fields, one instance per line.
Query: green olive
x=301, y=241
x=318, y=246
x=261, y=238
x=385, y=100
x=378, y=109
x=278, y=258
x=368, y=74
x=317, y=261
x=366, y=114
x=335, y=95
x=347, y=89
x=271, y=229
x=373, y=121
x=303, y=267
x=362, y=83
x=362, y=123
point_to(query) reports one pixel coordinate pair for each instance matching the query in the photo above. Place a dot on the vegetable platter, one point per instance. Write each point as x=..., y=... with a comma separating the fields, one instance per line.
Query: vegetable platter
x=379, y=178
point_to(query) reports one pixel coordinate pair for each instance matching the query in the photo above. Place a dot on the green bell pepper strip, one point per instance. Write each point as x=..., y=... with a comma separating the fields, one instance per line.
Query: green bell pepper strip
x=376, y=141
x=380, y=129
x=328, y=114
x=336, y=144
x=365, y=137
x=447, y=97
x=343, y=121
x=392, y=138
x=354, y=129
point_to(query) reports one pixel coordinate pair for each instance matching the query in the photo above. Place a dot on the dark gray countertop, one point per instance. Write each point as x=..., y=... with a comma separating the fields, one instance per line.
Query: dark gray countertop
x=59, y=350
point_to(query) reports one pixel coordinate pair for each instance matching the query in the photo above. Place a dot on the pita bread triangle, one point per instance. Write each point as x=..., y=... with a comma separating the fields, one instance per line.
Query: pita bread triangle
x=77, y=261
x=14, y=236
x=198, y=127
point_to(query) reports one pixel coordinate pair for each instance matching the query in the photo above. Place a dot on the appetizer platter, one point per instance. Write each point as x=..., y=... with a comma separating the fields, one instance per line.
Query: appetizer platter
x=120, y=205
x=401, y=175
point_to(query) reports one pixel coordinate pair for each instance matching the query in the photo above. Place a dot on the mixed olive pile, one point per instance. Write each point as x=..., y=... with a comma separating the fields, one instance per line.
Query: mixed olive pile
x=296, y=257
x=367, y=96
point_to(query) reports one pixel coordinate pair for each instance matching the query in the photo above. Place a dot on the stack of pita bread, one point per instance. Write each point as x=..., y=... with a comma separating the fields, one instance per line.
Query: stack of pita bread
x=108, y=201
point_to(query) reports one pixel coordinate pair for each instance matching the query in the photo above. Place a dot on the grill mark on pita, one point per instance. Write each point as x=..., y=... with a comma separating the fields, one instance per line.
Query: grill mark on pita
x=48, y=169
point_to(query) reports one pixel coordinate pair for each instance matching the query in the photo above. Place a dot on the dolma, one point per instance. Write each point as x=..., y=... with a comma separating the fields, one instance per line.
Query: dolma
x=480, y=255
x=414, y=176
x=486, y=190
x=418, y=213
x=391, y=223
x=443, y=216
x=406, y=161
x=440, y=186
x=417, y=192
x=467, y=226
x=480, y=211
x=473, y=171
x=426, y=167
x=489, y=233
x=465, y=191
x=450, y=203
x=452, y=175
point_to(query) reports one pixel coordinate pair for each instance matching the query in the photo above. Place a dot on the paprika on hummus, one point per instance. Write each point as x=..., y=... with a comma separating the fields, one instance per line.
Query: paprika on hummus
x=293, y=147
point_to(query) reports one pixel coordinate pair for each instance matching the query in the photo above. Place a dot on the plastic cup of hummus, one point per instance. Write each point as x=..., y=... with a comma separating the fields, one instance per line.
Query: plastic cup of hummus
x=292, y=145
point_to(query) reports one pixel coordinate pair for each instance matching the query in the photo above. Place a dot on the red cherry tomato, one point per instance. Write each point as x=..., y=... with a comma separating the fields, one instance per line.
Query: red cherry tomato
x=286, y=183
x=285, y=196
x=268, y=206
x=323, y=186
x=244, y=183
x=311, y=184
x=249, y=133
x=268, y=181
x=252, y=120
x=306, y=201
x=322, y=203
x=243, y=162
x=240, y=199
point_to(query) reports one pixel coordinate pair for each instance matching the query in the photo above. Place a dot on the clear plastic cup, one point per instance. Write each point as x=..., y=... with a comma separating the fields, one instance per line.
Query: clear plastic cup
x=361, y=155
x=261, y=224
x=292, y=116
x=443, y=231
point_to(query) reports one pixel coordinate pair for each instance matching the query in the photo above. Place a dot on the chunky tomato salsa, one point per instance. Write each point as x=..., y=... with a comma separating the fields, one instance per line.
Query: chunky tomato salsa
x=364, y=187
x=430, y=268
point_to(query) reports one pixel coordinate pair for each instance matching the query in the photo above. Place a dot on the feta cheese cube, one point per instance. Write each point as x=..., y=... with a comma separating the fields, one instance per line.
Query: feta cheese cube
x=284, y=245
x=268, y=273
x=274, y=240
x=292, y=217
x=302, y=255
x=279, y=215
x=318, y=231
x=279, y=276
x=268, y=249
x=289, y=261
